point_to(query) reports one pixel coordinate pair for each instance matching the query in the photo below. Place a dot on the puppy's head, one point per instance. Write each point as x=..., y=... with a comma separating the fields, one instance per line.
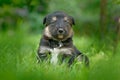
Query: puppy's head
x=58, y=26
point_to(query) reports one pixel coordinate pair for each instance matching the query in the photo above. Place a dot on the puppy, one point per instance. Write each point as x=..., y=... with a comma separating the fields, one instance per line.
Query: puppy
x=57, y=39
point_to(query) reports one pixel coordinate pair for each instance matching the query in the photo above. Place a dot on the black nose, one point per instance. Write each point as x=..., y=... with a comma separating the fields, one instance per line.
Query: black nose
x=61, y=31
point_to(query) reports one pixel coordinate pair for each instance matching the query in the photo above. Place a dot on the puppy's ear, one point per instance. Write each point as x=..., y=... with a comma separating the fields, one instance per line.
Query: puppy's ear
x=72, y=20
x=44, y=20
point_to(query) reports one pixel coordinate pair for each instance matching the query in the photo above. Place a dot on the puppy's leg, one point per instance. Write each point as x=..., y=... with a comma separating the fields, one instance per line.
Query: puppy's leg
x=79, y=57
x=42, y=53
x=71, y=60
x=82, y=57
x=63, y=58
x=41, y=57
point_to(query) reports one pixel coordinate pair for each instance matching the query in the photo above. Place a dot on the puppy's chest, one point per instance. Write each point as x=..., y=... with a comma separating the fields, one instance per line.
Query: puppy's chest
x=57, y=48
x=56, y=52
x=61, y=51
x=54, y=44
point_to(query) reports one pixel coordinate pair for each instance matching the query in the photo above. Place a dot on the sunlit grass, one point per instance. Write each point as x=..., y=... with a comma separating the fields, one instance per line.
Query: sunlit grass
x=18, y=61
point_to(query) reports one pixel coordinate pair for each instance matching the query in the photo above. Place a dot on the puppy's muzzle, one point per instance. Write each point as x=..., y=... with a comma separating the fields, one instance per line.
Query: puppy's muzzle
x=60, y=31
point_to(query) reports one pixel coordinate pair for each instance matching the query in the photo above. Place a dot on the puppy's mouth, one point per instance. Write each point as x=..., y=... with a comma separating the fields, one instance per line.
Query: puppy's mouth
x=60, y=36
x=60, y=33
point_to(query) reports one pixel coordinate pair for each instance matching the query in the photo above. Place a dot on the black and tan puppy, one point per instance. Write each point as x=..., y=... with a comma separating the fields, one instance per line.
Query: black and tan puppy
x=57, y=39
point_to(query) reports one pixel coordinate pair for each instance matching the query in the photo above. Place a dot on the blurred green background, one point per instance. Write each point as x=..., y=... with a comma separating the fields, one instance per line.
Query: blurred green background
x=97, y=34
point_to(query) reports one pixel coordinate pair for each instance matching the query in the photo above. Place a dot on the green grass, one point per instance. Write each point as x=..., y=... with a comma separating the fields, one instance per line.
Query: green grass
x=18, y=60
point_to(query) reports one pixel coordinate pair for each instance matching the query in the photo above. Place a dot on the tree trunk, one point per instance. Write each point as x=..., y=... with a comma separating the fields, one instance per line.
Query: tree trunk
x=118, y=30
x=117, y=35
x=103, y=17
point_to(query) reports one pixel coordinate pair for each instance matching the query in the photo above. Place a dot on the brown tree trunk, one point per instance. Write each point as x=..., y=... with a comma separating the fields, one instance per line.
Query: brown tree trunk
x=118, y=30
x=117, y=35
x=103, y=17
x=116, y=41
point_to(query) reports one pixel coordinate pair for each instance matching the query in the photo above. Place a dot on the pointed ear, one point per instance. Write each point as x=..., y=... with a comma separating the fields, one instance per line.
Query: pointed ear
x=44, y=20
x=73, y=21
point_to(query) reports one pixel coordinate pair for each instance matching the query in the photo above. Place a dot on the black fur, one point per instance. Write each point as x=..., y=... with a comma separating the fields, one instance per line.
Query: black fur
x=52, y=38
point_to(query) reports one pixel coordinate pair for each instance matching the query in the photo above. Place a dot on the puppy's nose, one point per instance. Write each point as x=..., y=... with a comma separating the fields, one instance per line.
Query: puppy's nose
x=61, y=31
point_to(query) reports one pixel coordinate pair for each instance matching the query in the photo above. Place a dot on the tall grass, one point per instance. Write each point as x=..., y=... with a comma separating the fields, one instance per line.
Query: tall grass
x=18, y=60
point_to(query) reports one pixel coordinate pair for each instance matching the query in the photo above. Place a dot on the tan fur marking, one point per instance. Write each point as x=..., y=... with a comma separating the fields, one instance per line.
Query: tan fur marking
x=65, y=18
x=70, y=34
x=47, y=32
x=60, y=36
x=54, y=18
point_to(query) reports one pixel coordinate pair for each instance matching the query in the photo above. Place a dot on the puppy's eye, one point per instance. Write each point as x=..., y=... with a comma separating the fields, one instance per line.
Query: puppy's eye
x=66, y=19
x=53, y=21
